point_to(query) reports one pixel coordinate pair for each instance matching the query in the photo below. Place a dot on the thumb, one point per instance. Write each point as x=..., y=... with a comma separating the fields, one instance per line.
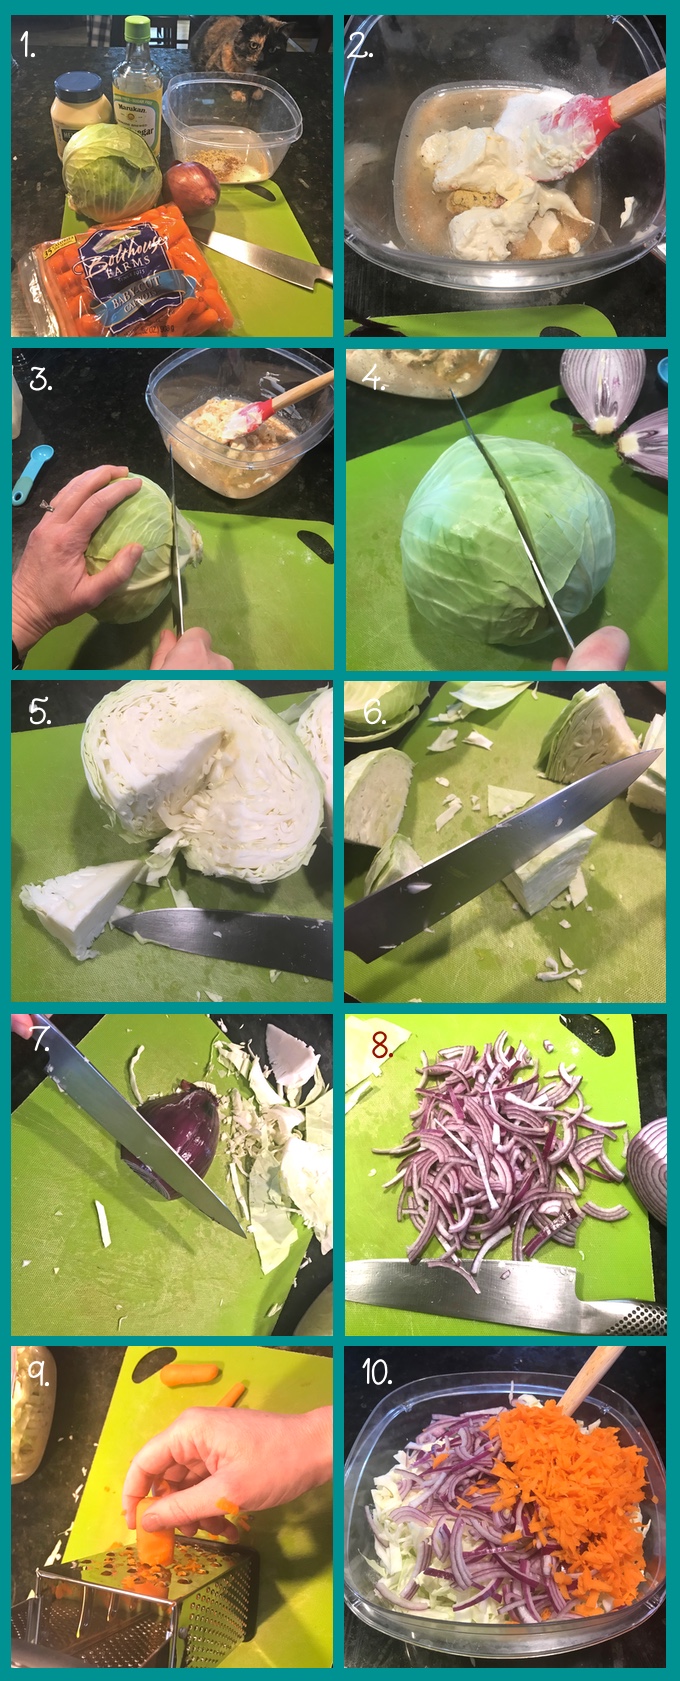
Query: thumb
x=167, y=641
x=101, y=585
x=172, y=1511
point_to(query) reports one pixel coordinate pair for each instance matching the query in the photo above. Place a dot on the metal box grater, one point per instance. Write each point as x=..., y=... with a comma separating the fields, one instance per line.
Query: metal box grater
x=110, y=1612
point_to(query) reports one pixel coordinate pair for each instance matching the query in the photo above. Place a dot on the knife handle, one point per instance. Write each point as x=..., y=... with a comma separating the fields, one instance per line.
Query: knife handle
x=645, y=1319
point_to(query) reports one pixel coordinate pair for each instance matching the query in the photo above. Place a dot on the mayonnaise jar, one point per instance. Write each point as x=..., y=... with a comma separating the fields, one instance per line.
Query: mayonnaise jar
x=79, y=100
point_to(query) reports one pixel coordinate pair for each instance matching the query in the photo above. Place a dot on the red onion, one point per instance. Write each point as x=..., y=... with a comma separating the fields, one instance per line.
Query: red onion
x=192, y=187
x=188, y=1120
x=483, y=1159
x=645, y=445
x=603, y=385
x=647, y=1164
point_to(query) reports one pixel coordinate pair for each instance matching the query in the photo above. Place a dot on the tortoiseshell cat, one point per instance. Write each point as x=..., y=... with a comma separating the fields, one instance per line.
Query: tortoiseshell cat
x=234, y=45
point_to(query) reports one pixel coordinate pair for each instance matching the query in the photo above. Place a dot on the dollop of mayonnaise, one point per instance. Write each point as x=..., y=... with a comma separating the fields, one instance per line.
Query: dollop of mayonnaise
x=497, y=160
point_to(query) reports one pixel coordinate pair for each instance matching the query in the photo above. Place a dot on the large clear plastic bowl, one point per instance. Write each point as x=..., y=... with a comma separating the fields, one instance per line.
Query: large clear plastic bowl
x=221, y=113
x=400, y=58
x=400, y=1417
x=184, y=381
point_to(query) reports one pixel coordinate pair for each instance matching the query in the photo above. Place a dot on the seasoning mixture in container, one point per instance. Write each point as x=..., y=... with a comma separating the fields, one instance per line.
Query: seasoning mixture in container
x=463, y=182
x=249, y=463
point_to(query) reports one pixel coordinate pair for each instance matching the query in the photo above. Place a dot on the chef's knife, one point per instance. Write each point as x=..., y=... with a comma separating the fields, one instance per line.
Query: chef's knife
x=73, y=1074
x=294, y=269
x=518, y=515
x=533, y=1294
x=177, y=602
x=384, y=920
x=302, y=945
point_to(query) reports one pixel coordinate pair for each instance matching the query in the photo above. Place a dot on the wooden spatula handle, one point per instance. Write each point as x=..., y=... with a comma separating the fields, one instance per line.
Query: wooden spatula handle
x=306, y=390
x=639, y=97
x=595, y=1367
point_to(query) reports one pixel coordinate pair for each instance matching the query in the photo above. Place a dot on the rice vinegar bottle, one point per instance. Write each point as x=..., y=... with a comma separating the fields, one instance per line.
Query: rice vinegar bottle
x=138, y=86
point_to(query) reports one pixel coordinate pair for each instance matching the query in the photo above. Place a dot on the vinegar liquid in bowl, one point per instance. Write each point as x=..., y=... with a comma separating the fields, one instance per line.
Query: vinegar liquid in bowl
x=421, y=214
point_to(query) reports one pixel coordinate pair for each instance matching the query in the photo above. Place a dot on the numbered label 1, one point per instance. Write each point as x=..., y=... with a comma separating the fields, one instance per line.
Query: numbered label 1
x=23, y=41
x=36, y=710
x=372, y=712
x=376, y=1372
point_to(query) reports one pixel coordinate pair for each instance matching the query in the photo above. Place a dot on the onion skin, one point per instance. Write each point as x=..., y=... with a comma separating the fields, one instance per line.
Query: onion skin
x=644, y=447
x=192, y=187
x=189, y=1121
x=603, y=385
x=647, y=1164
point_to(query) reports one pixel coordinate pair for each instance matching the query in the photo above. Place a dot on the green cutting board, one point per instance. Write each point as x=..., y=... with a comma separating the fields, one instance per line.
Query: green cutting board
x=615, y=1260
x=259, y=303
x=385, y=632
x=169, y=1271
x=487, y=951
x=502, y=323
x=58, y=827
x=293, y=1541
x=246, y=592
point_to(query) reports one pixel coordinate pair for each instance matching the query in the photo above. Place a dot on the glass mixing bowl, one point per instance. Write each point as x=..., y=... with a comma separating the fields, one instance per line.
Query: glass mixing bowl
x=391, y=62
x=400, y=1417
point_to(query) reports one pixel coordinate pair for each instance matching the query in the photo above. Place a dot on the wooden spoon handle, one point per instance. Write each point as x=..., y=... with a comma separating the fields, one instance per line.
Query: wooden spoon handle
x=595, y=1367
x=639, y=97
x=306, y=390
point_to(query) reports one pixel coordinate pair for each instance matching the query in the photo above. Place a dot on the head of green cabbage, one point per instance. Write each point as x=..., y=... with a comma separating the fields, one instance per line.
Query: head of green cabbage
x=144, y=518
x=464, y=564
x=110, y=173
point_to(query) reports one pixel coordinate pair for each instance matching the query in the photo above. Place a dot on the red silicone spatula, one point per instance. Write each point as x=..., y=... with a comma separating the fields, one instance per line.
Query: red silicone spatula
x=589, y=121
x=253, y=415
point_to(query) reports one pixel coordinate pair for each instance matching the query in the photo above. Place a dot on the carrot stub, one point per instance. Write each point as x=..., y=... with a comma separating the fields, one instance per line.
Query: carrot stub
x=157, y=1547
x=233, y=1395
x=182, y=1373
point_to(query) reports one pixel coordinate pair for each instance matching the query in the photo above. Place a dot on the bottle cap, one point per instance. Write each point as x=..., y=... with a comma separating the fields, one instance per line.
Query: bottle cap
x=137, y=29
x=78, y=87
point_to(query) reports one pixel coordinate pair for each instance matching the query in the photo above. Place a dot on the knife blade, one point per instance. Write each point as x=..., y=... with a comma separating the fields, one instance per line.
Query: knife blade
x=72, y=1072
x=533, y=1294
x=521, y=522
x=302, y=945
x=384, y=920
x=296, y=270
x=177, y=602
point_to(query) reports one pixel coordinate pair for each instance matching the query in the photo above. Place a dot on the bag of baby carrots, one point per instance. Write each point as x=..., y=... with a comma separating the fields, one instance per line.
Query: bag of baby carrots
x=146, y=277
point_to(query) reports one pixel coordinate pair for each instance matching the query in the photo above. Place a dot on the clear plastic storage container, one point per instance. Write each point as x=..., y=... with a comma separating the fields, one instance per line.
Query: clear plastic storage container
x=400, y=59
x=433, y=374
x=185, y=381
x=240, y=126
x=400, y=1417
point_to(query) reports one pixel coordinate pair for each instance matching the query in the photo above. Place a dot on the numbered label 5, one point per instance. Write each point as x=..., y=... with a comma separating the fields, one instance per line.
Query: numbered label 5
x=36, y=710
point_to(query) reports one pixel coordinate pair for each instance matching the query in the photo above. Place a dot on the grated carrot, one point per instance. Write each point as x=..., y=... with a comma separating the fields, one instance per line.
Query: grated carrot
x=439, y=1459
x=587, y=1489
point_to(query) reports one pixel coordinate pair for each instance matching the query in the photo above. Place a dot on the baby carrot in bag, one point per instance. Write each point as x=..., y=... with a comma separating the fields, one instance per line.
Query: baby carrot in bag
x=144, y=278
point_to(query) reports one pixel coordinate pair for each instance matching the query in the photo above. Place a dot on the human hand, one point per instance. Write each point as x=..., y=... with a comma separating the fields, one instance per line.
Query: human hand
x=22, y=1026
x=216, y=1457
x=605, y=650
x=191, y=652
x=51, y=584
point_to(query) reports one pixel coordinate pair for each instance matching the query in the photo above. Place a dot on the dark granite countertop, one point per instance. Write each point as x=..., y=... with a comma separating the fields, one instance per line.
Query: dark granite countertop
x=28, y=1071
x=37, y=189
x=44, y=1506
x=93, y=411
x=377, y=419
x=639, y=1375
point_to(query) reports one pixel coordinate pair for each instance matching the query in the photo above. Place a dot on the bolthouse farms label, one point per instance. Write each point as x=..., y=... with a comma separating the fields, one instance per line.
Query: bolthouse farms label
x=130, y=275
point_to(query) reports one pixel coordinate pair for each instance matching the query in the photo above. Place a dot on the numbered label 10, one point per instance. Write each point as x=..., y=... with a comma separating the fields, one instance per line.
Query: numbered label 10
x=377, y=1373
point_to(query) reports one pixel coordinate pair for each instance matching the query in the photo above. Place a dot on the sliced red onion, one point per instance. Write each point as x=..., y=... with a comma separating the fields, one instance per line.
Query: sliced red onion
x=647, y=1164
x=617, y=1213
x=603, y=385
x=645, y=445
